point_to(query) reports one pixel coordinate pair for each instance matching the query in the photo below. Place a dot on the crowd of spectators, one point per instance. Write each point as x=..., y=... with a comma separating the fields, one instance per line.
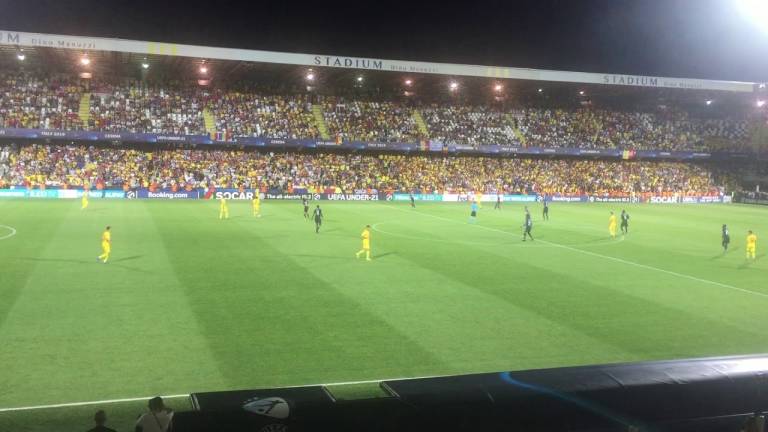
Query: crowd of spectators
x=137, y=108
x=250, y=114
x=468, y=125
x=369, y=121
x=41, y=165
x=28, y=101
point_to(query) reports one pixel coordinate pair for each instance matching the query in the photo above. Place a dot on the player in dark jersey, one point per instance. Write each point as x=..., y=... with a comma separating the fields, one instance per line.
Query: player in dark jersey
x=624, y=222
x=306, y=208
x=497, y=206
x=527, y=225
x=413, y=201
x=545, y=211
x=317, y=215
x=726, y=238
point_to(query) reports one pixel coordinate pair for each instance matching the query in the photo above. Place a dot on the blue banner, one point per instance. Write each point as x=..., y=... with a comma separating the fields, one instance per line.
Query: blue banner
x=14, y=193
x=59, y=193
x=567, y=198
x=491, y=149
x=417, y=197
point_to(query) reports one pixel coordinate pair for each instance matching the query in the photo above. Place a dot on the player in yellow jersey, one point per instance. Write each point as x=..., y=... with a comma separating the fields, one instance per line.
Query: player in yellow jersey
x=84, y=200
x=223, y=209
x=612, y=225
x=751, y=245
x=366, y=237
x=257, y=205
x=106, y=245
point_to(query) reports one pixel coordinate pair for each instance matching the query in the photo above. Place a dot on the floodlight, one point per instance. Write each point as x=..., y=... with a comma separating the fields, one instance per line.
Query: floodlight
x=310, y=76
x=755, y=11
x=454, y=85
x=408, y=82
x=709, y=102
x=85, y=61
x=498, y=87
x=360, y=79
x=760, y=103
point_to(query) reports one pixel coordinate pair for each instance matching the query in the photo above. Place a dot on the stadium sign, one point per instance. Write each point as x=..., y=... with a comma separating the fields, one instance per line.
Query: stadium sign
x=649, y=81
x=663, y=200
x=614, y=199
x=9, y=38
x=488, y=198
x=286, y=196
x=235, y=194
x=13, y=193
x=350, y=197
x=577, y=198
x=417, y=197
x=60, y=193
x=80, y=43
x=165, y=194
x=348, y=62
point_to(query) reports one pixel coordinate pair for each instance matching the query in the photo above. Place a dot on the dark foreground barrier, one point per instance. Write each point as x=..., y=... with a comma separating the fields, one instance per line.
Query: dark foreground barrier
x=710, y=394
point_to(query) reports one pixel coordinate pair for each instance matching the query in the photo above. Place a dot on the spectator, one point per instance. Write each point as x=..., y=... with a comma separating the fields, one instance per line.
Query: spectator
x=100, y=418
x=158, y=419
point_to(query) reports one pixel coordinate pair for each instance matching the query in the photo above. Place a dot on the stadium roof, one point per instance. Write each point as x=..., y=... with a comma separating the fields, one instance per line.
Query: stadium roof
x=132, y=52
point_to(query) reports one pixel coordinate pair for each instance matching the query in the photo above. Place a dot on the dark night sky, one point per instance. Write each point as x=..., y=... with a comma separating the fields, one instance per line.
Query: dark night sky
x=688, y=38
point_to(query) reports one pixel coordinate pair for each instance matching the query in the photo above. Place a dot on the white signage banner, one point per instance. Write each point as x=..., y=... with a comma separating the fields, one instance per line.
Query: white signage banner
x=84, y=43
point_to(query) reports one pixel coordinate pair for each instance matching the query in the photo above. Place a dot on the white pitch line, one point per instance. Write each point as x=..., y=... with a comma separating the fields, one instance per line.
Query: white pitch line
x=12, y=230
x=682, y=275
x=77, y=404
x=645, y=266
x=177, y=396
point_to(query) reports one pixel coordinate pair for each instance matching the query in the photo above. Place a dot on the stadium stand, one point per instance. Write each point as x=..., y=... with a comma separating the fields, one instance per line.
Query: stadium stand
x=41, y=165
x=468, y=125
x=28, y=101
x=369, y=121
x=137, y=108
x=249, y=114
x=54, y=102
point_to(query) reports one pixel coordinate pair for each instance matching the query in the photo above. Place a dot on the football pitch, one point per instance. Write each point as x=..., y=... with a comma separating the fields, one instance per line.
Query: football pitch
x=191, y=303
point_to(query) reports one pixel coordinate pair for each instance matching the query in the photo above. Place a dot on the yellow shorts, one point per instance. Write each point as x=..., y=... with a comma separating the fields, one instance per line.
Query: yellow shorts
x=106, y=247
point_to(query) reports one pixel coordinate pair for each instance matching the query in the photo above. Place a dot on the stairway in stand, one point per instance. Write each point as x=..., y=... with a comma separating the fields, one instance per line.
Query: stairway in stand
x=317, y=112
x=209, y=120
x=84, y=112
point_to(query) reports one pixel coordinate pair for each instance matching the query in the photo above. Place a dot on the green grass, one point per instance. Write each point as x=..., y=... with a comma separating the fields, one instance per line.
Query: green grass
x=191, y=303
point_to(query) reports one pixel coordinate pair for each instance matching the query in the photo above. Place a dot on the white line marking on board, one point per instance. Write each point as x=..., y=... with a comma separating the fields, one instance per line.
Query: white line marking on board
x=76, y=404
x=645, y=266
x=178, y=396
x=11, y=234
